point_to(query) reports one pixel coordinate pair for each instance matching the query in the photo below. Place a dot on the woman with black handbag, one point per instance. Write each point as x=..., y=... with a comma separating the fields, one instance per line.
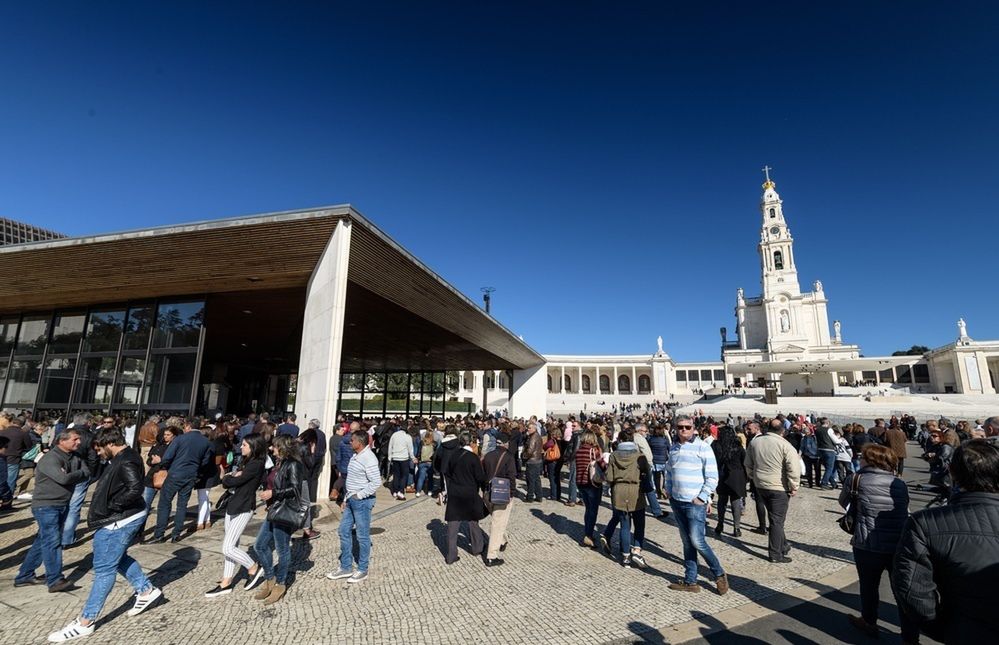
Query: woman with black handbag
x=880, y=507
x=287, y=510
x=238, y=500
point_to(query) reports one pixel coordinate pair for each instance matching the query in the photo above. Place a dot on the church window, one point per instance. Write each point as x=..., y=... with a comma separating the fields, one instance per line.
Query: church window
x=773, y=212
x=644, y=384
x=624, y=384
x=586, y=383
x=778, y=260
x=604, y=384
x=568, y=383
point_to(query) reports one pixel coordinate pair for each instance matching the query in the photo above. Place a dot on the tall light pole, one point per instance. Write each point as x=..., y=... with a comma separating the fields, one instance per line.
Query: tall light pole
x=487, y=295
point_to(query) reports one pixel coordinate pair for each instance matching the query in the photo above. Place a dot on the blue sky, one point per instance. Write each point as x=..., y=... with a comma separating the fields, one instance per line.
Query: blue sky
x=597, y=163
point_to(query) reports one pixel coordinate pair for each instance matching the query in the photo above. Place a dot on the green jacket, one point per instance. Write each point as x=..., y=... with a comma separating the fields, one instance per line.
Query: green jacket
x=626, y=469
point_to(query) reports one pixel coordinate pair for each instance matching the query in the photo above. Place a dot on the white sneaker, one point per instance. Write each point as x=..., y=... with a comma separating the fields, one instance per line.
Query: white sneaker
x=71, y=631
x=339, y=573
x=418, y=493
x=142, y=603
x=359, y=576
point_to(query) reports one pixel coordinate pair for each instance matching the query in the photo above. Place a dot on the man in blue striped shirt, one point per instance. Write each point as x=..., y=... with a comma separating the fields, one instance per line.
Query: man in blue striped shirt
x=691, y=477
x=363, y=480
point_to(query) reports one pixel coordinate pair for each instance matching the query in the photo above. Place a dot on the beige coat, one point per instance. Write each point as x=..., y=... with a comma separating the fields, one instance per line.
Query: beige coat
x=772, y=463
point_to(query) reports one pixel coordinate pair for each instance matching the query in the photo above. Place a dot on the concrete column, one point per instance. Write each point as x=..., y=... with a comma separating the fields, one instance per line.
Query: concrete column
x=614, y=384
x=527, y=393
x=596, y=375
x=561, y=379
x=579, y=379
x=983, y=371
x=634, y=380
x=322, y=338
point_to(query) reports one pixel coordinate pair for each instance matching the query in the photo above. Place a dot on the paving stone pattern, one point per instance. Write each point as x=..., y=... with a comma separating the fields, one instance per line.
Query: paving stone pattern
x=550, y=589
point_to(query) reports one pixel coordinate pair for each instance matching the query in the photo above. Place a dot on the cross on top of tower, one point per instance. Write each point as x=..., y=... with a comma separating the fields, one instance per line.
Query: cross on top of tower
x=769, y=182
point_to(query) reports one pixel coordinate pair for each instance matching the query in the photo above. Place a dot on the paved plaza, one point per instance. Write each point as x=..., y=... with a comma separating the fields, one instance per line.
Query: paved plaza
x=550, y=588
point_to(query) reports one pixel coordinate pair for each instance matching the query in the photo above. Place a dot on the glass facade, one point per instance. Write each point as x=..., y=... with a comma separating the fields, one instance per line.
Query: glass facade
x=124, y=358
x=379, y=394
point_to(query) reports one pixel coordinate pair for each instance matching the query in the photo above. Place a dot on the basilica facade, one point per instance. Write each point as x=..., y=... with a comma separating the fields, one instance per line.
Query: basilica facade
x=783, y=342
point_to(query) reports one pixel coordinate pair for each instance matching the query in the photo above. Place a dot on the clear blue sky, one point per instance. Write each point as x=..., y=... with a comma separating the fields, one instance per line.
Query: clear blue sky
x=597, y=164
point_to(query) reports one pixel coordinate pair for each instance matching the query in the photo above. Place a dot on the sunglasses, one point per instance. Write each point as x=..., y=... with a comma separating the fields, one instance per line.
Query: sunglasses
x=685, y=427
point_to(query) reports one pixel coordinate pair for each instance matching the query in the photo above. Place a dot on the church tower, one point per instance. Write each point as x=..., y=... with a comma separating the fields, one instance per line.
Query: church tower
x=776, y=245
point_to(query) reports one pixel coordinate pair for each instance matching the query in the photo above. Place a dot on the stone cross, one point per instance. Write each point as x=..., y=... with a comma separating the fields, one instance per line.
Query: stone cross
x=766, y=171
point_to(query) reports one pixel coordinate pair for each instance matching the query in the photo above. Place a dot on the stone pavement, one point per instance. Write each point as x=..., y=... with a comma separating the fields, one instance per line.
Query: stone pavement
x=550, y=588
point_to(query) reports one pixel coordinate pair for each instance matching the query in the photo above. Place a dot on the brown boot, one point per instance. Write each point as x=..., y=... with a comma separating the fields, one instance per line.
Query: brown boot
x=264, y=590
x=721, y=582
x=683, y=586
x=277, y=593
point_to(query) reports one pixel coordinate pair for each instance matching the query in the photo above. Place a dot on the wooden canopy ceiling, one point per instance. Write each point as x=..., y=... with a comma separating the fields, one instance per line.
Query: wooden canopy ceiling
x=399, y=315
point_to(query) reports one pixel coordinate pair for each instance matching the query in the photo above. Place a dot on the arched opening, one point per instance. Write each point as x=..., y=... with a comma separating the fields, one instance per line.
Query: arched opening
x=604, y=384
x=568, y=383
x=773, y=212
x=624, y=384
x=468, y=380
x=586, y=384
x=549, y=382
x=489, y=380
x=778, y=260
x=644, y=384
x=502, y=381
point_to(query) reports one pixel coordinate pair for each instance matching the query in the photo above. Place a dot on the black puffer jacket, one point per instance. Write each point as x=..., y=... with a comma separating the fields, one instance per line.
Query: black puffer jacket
x=947, y=569
x=883, y=508
x=119, y=490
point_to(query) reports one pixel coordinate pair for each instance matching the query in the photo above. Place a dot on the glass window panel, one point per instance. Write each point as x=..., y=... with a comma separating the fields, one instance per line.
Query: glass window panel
x=373, y=404
x=8, y=334
x=436, y=402
x=137, y=324
x=33, y=336
x=681, y=375
x=869, y=375
x=375, y=383
x=886, y=376
x=434, y=381
x=705, y=375
x=904, y=374
x=22, y=383
x=57, y=380
x=104, y=331
x=397, y=401
x=170, y=379
x=720, y=375
x=398, y=381
x=67, y=330
x=351, y=403
x=921, y=372
x=93, y=383
x=416, y=382
x=130, y=379
x=351, y=382
x=178, y=324
x=692, y=375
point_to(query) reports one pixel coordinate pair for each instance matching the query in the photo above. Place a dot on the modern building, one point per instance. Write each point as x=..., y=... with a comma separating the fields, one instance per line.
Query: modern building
x=14, y=232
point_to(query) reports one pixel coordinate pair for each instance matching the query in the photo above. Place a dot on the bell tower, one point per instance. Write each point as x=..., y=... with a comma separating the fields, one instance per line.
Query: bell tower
x=776, y=245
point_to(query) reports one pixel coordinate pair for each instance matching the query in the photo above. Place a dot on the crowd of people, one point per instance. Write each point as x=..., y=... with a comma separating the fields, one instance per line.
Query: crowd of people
x=641, y=461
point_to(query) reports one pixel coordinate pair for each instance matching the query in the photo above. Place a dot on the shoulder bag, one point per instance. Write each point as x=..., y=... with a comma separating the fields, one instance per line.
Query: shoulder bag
x=848, y=521
x=499, y=487
x=159, y=478
x=223, y=500
x=291, y=512
x=595, y=471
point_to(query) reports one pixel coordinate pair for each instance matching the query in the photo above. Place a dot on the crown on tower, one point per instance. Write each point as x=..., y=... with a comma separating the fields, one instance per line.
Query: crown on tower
x=769, y=182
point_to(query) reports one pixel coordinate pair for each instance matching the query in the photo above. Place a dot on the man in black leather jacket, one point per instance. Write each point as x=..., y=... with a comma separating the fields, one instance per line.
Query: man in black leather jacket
x=118, y=512
x=947, y=564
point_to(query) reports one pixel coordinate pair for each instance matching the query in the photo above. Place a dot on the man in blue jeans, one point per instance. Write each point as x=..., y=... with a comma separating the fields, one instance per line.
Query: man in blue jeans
x=363, y=480
x=825, y=439
x=86, y=452
x=691, y=477
x=187, y=455
x=117, y=512
x=56, y=475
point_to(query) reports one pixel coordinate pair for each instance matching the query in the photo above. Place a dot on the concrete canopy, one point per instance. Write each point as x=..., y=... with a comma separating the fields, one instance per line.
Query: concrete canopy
x=400, y=315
